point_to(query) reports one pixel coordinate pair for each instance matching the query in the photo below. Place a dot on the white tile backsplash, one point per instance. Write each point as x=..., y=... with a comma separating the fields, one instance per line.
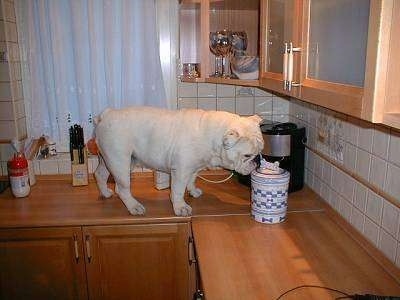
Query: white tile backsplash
x=365, y=188
x=387, y=244
x=348, y=187
x=357, y=219
x=394, y=148
x=350, y=156
x=326, y=172
x=365, y=135
x=244, y=91
x=49, y=166
x=390, y=218
x=187, y=90
x=392, y=185
x=377, y=173
x=360, y=197
x=374, y=207
x=398, y=255
x=363, y=162
x=263, y=105
x=371, y=231
x=207, y=90
x=280, y=105
x=64, y=166
x=380, y=144
x=261, y=93
x=345, y=209
x=187, y=103
x=207, y=103
x=245, y=106
x=350, y=131
x=226, y=104
x=225, y=91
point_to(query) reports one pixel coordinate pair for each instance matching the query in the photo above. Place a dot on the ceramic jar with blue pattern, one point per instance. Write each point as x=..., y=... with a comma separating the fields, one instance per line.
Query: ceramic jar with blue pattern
x=269, y=194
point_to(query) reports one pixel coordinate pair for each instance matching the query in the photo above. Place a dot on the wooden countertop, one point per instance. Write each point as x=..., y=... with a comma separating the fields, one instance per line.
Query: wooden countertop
x=238, y=257
x=242, y=259
x=57, y=203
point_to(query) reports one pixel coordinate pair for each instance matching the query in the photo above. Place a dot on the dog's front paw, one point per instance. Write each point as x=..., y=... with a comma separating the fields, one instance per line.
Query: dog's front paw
x=137, y=209
x=107, y=193
x=196, y=192
x=182, y=209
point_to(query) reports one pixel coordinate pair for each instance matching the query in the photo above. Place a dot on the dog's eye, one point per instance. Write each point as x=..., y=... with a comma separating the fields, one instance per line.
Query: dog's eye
x=248, y=155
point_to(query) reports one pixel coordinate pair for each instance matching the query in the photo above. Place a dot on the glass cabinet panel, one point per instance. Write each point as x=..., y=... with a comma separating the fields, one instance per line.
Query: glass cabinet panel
x=241, y=20
x=338, y=41
x=279, y=30
x=189, y=32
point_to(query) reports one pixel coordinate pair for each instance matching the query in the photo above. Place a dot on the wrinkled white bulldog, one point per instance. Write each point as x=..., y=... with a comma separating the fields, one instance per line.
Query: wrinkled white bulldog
x=178, y=142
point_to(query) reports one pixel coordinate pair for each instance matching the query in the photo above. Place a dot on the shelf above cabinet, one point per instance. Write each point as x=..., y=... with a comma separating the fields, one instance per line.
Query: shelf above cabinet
x=254, y=83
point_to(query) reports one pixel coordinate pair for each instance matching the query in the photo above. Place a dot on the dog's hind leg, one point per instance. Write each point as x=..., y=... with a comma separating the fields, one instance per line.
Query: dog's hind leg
x=121, y=172
x=101, y=174
x=178, y=186
x=191, y=187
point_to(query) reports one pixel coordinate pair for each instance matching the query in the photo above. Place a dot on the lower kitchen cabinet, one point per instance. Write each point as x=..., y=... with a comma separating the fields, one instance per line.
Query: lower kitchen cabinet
x=97, y=262
x=42, y=263
x=137, y=261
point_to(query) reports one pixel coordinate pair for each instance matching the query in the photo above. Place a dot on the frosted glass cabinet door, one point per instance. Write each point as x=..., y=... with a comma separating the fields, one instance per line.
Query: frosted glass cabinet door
x=338, y=41
x=279, y=30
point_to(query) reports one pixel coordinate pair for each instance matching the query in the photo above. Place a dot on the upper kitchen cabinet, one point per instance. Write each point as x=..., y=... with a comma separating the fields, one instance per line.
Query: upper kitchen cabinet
x=219, y=41
x=338, y=54
x=382, y=93
x=280, y=45
x=333, y=61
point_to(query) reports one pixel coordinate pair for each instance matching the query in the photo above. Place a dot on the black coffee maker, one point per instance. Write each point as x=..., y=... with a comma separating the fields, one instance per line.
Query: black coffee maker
x=284, y=142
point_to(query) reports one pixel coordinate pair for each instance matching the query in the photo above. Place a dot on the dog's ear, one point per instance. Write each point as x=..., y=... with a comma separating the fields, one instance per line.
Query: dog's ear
x=231, y=137
x=255, y=118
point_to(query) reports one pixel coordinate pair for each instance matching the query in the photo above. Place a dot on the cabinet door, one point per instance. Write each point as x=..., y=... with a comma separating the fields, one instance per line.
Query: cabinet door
x=138, y=261
x=280, y=24
x=335, y=35
x=42, y=264
x=381, y=101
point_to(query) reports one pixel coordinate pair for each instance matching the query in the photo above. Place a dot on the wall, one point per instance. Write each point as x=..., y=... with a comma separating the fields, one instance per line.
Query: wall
x=244, y=101
x=12, y=111
x=357, y=174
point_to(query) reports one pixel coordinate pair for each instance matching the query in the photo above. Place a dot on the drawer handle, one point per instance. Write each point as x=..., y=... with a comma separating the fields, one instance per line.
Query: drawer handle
x=87, y=242
x=76, y=248
x=191, y=252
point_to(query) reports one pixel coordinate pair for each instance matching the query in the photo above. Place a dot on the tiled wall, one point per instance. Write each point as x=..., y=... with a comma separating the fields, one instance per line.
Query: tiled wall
x=12, y=110
x=371, y=153
x=61, y=164
x=244, y=101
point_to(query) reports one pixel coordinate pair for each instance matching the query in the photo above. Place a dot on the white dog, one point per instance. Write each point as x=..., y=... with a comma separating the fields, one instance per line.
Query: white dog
x=179, y=142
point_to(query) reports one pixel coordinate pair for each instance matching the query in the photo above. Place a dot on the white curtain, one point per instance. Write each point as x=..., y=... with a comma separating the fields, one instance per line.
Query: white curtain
x=80, y=56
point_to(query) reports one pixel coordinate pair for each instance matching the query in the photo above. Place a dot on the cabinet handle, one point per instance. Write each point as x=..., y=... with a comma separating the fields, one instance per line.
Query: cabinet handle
x=76, y=248
x=191, y=254
x=87, y=242
x=285, y=65
x=289, y=77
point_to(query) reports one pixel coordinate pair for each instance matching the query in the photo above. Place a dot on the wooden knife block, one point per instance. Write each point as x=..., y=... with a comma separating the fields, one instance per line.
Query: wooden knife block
x=79, y=172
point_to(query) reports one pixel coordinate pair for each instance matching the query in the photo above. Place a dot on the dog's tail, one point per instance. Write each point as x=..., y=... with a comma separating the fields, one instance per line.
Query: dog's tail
x=98, y=118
